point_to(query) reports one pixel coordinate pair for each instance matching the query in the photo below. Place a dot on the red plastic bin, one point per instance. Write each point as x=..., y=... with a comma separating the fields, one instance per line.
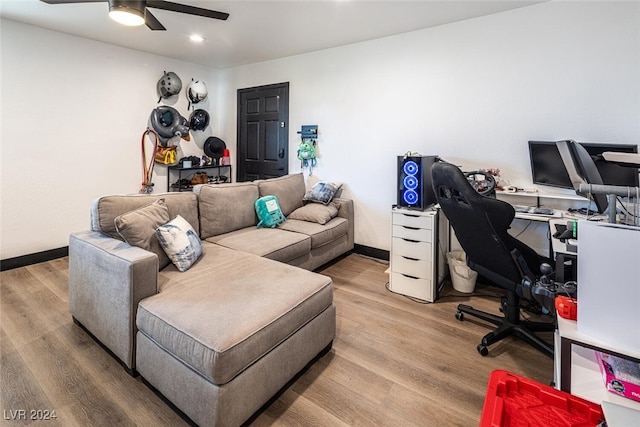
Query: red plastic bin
x=513, y=400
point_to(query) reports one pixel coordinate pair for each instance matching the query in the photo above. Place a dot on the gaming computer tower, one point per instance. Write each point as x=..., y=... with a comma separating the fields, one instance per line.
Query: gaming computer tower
x=414, y=182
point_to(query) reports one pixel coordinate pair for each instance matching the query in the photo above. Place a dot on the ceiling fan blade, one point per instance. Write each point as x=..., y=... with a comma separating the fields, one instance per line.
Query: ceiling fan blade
x=183, y=8
x=152, y=22
x=72, y=1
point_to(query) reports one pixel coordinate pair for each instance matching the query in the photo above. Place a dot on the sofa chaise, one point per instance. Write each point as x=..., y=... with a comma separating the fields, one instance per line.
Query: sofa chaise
x=222, y=337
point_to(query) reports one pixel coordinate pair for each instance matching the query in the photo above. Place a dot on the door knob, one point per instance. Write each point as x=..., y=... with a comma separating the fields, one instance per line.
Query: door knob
x=281, y=153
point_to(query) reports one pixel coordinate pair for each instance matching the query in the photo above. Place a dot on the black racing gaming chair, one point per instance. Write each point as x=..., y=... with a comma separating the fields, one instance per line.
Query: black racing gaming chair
x=481, y=225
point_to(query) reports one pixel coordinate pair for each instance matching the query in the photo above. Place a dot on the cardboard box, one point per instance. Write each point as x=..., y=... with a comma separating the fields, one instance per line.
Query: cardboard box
x=621, y=376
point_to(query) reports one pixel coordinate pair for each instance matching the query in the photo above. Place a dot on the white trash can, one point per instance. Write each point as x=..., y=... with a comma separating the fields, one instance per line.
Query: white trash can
x=462, y=277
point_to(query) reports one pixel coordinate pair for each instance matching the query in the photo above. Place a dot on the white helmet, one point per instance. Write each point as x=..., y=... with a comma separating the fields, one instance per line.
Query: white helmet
x=196, y=91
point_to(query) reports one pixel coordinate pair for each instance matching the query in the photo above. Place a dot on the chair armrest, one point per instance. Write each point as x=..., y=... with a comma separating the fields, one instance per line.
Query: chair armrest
x=107, y=279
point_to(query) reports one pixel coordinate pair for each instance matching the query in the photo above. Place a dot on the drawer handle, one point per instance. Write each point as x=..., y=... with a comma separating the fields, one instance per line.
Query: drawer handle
x=411, y=228
x=410, y=277
x=409, y=240
x=409, y=258
x=411, y=216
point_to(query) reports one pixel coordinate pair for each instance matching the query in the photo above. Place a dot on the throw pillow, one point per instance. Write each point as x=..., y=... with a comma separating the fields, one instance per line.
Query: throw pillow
x=315, y=212
x=268, y=211
x=138, y=228
x=322, y=192
x=181, y=243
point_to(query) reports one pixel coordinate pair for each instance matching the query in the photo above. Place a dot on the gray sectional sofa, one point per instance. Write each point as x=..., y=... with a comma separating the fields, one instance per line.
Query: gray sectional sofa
x=221, y=338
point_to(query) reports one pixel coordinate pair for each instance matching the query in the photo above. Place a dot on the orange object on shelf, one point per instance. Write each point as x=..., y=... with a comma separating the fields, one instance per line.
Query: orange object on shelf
x=516, y=401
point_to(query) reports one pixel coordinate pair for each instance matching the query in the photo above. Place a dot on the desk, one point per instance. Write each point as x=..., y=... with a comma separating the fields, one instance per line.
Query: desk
x=539, y=236
x=576, y=370
x=533, y=230
x=561, y=200
x=557, y=250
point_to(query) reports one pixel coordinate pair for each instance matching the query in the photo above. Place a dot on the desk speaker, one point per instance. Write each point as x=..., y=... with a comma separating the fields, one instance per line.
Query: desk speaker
x=414, y=182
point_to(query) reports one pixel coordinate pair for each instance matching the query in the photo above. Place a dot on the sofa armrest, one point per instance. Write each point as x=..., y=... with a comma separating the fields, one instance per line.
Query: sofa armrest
x=107, y=279
x=345, y=210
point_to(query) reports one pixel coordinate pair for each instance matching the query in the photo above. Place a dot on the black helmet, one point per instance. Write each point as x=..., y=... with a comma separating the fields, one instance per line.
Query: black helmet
x=169, y=85
x=198, y=120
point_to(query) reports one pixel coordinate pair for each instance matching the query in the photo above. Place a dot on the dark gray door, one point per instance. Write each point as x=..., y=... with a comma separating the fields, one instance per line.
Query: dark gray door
x=263, y=141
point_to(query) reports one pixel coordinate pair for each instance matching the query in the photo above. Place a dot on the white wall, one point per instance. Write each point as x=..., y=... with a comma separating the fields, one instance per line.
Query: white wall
x=73, y=112
x=473, y=92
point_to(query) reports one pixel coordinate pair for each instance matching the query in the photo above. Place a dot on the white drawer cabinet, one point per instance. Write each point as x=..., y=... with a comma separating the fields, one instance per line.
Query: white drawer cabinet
x=419, y=241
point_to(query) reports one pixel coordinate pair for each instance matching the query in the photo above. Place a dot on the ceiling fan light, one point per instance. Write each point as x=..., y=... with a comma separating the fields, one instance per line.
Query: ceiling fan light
x=130, y=13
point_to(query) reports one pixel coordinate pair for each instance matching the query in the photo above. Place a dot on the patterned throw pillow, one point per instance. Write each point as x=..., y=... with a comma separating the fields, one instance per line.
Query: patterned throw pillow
x=181, y=243
x=322, y=192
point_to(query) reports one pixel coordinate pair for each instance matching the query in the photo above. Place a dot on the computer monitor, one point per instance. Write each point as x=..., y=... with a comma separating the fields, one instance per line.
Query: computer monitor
x=612, y=173
x=547, y=167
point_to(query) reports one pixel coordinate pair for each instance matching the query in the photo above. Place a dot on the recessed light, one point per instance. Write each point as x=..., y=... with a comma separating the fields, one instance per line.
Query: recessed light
x=197, y=38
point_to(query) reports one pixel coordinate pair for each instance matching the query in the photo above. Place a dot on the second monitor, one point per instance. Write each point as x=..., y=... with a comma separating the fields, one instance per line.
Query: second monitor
x=547, y=167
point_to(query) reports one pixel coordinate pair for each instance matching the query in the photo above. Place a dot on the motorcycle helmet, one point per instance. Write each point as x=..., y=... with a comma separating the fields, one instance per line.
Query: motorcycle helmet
x=199, y=120
x=169, y=85
x=196, y=91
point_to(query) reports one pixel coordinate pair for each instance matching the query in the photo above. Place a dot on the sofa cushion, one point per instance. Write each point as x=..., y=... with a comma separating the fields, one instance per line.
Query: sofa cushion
x=289, y=190
x=226, y=207
x=138, y=228
x=216, y=319
x=180, y=242
x=104, y=210
x=315, y=212
x=272, y=243
x=319, y=234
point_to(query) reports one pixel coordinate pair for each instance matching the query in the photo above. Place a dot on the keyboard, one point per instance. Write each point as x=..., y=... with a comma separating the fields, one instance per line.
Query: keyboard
x=533, y=210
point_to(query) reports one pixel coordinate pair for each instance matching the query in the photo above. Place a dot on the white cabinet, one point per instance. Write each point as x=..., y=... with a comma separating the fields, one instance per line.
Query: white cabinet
x=419, y=240
x=576, y=369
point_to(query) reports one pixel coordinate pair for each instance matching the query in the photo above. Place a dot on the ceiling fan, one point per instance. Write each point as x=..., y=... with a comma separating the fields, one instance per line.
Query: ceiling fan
x=136, y=12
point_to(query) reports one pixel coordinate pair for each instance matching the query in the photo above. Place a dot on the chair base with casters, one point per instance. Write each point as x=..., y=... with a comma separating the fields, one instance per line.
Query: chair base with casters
x=509, y=325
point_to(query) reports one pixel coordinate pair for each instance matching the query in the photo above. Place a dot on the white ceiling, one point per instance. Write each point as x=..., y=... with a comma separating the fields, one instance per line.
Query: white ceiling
x=257, y=30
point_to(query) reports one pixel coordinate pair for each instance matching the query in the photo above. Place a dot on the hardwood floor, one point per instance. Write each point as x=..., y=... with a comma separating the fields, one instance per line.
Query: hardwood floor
x=394, y=361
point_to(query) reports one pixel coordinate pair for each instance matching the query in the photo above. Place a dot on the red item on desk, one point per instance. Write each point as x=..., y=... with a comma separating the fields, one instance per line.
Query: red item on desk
x=513, y=400
x=567, y=307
